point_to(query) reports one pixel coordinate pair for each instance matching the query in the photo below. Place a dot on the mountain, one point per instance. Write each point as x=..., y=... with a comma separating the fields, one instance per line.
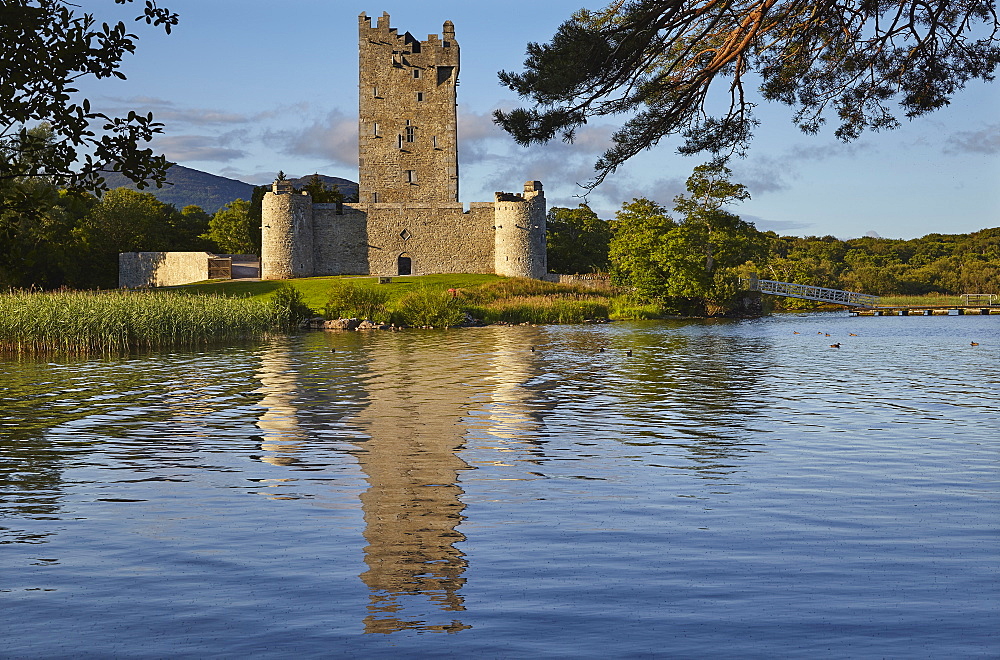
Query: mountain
x=348, y=188
x=210, y=191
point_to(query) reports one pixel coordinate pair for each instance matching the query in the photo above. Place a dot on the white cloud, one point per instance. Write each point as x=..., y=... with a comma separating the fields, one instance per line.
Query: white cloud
x=184, y=148
x=334, y=137
x=762, y=173
x=986, y=140
x=777, y=226
x=169, y=112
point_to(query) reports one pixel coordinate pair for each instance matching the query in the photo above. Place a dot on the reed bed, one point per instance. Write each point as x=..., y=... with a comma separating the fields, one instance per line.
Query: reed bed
x=544, y=309
x=85, y=322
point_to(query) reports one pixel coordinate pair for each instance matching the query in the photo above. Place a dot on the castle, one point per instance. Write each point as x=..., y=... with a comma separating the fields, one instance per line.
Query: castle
x=408, y=220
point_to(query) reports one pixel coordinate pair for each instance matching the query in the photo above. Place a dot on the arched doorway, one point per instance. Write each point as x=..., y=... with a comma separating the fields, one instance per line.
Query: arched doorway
x=403, y=265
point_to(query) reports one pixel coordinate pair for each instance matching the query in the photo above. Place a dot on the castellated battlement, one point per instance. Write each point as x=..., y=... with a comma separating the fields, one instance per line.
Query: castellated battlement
x=408, y=219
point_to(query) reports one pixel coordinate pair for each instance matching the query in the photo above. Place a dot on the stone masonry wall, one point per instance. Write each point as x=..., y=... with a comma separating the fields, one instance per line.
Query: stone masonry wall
x=520, y=233
x=340, y=240
x=286, y=236
x=407, y=121
x=147, y=269
x=441, y=239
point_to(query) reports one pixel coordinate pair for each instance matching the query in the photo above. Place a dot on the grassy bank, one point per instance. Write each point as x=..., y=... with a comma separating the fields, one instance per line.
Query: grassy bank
x=84, y=322
x=448, y=299
x=927, y=299
x=435, y=300
x=316, y=290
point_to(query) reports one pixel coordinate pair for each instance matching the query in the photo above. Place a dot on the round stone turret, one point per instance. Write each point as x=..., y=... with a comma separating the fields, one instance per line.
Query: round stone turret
x=286, y=234
x=519, y=249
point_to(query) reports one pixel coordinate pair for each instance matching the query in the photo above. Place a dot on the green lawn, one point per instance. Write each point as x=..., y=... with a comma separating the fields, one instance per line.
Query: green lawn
x=316, y=290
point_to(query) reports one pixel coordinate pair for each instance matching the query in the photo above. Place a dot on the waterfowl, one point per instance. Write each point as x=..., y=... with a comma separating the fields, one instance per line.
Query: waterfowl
x=851, y=334
x=973, y=343
x=837, y=345
x=629, y=352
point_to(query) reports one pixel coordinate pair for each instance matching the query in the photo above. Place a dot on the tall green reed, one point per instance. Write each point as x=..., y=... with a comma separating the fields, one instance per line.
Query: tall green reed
x=84, y=322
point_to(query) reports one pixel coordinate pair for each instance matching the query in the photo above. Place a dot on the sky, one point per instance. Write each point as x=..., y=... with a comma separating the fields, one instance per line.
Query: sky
x=246, y=88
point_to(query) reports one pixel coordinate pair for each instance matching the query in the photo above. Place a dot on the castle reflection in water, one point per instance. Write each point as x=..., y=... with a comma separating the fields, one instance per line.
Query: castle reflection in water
x=417, y=411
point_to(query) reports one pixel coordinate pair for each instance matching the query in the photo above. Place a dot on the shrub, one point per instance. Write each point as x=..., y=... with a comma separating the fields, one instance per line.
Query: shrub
x=541, y=309
x=520, y=287
x=426, y=307
x=289, y=307
x=348, y=300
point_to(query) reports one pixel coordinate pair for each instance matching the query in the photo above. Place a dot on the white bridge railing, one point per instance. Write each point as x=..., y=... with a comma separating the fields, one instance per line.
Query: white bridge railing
x=806, y=292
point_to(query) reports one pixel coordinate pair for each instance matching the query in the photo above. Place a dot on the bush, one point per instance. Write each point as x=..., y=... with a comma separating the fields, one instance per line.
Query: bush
x=348, y=300
x=426, y=307
x=541, y=310
x=289, y=306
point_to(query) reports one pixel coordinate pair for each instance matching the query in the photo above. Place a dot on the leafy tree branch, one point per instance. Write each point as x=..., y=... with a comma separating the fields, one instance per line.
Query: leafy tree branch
x=45, y=48
x=660, y=61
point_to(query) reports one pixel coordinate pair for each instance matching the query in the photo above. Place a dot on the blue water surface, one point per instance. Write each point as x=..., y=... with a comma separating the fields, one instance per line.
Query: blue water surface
x=730, y=489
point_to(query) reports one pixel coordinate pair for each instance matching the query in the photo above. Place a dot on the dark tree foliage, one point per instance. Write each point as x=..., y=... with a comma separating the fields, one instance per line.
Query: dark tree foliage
x=322, y=193
x=45, y=47
x=657, y=60
x=950, y=264
x=576, y=240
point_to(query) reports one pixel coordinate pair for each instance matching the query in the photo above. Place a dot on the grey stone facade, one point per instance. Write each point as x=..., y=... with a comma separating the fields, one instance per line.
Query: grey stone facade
x=408, y=219
x=148, y=269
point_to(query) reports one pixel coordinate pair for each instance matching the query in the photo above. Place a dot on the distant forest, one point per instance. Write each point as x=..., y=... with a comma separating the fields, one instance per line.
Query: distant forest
x=643, y=247
x=51, y=238
x=935, y=263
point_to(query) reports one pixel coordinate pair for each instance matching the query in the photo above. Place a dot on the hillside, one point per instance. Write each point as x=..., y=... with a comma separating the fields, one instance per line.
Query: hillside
x=210, y=191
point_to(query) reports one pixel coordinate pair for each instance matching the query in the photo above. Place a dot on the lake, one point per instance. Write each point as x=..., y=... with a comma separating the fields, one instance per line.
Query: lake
x=730, y=489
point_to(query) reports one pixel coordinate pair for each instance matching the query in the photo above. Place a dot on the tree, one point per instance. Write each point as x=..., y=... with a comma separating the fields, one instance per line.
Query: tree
x=635, y=250
x=725, y=238
x=36, y=219
x=187, y=229
x=321, y=192
x=45, y=47
x=658, y=59
x=234, y=229
x=577, y=240
x=694, y=260
x=35, y=233
x=123, y=221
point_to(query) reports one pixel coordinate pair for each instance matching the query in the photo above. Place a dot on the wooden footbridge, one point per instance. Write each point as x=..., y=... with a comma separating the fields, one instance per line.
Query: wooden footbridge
x=863, y=304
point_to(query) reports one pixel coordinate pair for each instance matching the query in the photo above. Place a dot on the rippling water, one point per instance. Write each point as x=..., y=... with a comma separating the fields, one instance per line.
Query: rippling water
x=730, y=489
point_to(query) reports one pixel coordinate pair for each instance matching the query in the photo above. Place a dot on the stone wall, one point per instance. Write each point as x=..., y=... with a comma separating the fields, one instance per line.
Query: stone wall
x=369, y=239
x=148, y=269
x=341, y=240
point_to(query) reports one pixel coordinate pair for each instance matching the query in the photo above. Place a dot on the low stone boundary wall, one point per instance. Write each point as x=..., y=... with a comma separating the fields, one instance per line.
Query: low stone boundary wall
x=148, y=269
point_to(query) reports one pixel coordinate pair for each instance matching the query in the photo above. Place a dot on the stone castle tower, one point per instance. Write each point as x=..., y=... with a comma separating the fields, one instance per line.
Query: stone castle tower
x=408, y=119
x=408, y=219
